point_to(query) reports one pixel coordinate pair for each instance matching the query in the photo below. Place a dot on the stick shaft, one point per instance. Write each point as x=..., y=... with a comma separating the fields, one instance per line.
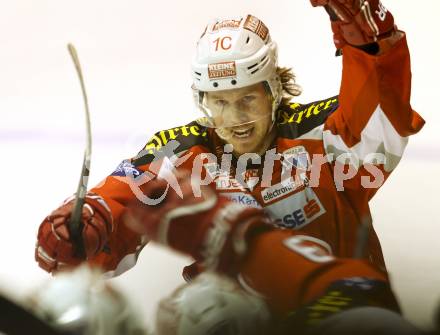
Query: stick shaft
x=75, y=223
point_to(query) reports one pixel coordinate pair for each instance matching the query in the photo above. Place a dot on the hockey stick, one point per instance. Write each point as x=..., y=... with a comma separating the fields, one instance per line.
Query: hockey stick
x=75, y=224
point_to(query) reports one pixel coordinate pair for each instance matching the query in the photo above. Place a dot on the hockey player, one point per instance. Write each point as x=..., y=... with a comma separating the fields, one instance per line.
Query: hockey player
x=76, y=302
x=315, y=166
x=81, y=302
x=306, y=288
x=214, y=304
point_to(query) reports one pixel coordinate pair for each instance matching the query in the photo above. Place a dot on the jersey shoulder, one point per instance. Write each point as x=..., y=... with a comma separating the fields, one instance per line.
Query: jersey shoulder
x=295, y=119
x=173, y=141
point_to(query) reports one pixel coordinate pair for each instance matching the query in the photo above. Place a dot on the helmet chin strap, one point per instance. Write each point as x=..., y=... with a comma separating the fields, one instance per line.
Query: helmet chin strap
x=220, y=133
x=269, y=132
x=274, y=91
x=275, y=104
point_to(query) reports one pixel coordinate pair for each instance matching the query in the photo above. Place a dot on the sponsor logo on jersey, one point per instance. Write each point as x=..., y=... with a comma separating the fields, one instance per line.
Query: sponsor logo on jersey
x=302, y=113
x=225, y=183
x=297, y=210
x=256, y=26
x=164, y=136
x=222, y=70
x=299, y=149
x=297, y=157
x=126, y=168
x=282, y=189
x=242, y=199
x=214, y=170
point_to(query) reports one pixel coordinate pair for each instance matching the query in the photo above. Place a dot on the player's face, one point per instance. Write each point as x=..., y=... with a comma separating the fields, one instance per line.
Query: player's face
x=246, y=114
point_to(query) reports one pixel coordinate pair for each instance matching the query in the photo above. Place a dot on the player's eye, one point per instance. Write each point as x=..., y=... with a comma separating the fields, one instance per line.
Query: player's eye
x=220, y=102
x=248, y=99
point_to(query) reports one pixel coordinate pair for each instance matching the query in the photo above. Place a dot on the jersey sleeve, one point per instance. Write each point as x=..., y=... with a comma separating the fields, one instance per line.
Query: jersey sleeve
x=165, y=151
x=124, y=245
x=374, y=119
x=297, y=270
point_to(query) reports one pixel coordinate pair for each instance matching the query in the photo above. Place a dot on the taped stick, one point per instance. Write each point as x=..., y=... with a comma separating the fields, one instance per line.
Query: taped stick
x=75, y=223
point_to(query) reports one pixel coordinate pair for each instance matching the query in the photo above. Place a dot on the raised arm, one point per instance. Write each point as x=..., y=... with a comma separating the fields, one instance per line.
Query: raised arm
x=374, y=118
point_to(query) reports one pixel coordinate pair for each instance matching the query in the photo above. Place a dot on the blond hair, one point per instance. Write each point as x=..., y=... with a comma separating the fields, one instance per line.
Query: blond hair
x=290, y=87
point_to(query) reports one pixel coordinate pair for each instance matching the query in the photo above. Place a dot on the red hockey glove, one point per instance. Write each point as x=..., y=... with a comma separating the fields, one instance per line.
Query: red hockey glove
x=358, y=22
x=210, y=228
x=54, y=247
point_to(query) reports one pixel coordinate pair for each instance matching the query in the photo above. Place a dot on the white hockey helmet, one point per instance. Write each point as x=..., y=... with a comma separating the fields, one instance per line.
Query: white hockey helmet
x=211, y=304
x=81, y=302
x=235, y=53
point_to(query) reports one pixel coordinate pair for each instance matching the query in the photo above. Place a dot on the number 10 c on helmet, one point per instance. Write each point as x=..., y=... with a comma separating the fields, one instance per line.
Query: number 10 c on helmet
x=235, y=53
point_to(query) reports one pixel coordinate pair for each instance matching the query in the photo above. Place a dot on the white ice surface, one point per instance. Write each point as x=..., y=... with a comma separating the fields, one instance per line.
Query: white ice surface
x=136, y=58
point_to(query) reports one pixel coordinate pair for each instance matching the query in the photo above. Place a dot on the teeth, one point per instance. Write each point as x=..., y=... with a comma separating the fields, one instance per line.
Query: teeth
x=242, y=133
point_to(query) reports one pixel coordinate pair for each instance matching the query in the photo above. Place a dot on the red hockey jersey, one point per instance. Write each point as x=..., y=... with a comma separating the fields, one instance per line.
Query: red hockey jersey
x=328, y=160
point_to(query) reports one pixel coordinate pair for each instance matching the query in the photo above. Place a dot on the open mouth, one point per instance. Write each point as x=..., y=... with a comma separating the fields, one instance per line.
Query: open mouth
x=243, y=132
